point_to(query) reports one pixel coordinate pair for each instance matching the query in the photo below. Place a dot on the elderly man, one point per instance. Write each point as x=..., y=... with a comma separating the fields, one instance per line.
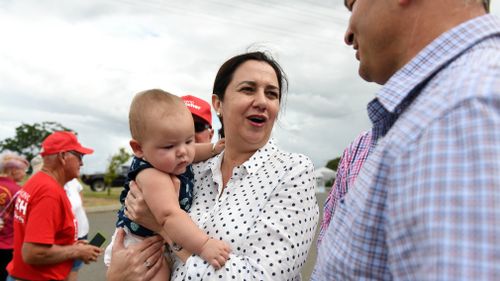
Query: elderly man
x=426, y=204
x=45, y=230
x=202, y=116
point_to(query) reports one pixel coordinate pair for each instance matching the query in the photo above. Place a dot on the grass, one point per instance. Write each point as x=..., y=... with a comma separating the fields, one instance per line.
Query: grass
x=103, y=198
x=91, y=198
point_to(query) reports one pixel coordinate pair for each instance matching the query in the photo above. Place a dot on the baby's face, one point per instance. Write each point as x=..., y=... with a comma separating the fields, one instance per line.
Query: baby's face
x=169, y=143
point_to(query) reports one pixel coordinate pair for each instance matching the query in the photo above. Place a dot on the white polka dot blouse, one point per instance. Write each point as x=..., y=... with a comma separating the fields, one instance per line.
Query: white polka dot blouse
x=267, y=213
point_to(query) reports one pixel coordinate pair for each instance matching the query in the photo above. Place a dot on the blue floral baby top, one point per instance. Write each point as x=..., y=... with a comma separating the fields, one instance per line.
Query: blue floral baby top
x=185, y=195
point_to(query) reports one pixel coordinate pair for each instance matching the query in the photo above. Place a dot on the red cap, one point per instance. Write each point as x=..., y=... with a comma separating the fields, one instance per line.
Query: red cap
x=62, y=141
x=199, y=108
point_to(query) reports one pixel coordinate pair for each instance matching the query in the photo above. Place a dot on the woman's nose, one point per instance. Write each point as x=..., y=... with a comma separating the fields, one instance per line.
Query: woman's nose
x=260, y=99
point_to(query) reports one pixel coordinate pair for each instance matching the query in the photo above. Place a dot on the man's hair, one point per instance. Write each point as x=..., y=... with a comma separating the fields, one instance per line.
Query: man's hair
x=148, y=106
x=486, y=4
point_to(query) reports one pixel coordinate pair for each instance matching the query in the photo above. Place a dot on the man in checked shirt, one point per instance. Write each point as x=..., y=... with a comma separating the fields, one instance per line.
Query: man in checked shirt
x=426, y=202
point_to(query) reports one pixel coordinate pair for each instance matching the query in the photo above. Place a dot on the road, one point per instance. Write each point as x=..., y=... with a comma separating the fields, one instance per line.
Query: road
x=103, y=221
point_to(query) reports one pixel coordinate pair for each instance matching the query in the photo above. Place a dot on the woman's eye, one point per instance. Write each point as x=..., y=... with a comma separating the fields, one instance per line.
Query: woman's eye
x=273, y=94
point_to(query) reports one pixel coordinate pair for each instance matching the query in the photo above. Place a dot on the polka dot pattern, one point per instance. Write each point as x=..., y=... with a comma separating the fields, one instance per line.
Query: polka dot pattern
x=268, y=214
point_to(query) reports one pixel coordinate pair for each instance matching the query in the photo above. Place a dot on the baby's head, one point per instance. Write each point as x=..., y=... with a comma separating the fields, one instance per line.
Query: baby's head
x=162, y=130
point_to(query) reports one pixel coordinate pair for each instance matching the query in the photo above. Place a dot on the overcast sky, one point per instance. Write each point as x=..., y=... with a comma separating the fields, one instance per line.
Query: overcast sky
x=80, y=63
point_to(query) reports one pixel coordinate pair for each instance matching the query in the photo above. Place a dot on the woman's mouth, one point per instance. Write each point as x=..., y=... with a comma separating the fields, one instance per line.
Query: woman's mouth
x=257, y=120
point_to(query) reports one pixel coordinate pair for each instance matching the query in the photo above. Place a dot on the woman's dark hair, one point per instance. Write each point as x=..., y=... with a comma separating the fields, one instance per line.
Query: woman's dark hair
x=226, y=73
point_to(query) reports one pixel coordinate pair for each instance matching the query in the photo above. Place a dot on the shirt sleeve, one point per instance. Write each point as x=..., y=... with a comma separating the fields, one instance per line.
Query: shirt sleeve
x=277, y=244
x=334, y=194
x=348, y=169
x=78, y=186
x=443, y=217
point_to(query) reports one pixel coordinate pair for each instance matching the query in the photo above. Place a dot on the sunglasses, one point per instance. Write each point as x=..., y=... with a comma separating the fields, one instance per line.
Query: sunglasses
x=78, y=155
x=200, y=127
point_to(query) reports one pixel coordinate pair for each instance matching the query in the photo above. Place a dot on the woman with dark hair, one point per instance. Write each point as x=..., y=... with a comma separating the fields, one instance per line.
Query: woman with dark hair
x=254, y=196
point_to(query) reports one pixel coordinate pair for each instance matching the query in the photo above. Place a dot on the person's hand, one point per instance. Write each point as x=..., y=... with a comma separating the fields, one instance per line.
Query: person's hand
x=1, y=224
x=138, y=262
x=218, y=146
x=86, y=252
x=137, y=210
x=215, y=252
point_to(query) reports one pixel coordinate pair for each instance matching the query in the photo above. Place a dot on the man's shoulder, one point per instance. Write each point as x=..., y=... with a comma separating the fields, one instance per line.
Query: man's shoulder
x=42, y=184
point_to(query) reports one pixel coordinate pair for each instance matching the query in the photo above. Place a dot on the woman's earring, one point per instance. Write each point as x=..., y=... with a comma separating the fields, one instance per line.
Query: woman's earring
x=218, y=114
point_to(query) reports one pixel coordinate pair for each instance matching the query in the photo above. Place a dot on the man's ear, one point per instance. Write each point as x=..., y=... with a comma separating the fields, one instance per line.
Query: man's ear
x=136, y=148
x=61, y=156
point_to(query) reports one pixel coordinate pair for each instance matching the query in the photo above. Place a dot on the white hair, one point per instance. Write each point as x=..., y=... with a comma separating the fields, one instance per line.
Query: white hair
x=11, y=159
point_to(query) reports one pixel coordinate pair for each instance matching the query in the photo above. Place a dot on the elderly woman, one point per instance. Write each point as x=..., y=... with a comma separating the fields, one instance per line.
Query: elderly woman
x=254, y=196
x=12, y=171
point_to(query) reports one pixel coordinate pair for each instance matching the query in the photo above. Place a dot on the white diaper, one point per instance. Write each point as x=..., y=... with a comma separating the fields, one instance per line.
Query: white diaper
x=128, y=240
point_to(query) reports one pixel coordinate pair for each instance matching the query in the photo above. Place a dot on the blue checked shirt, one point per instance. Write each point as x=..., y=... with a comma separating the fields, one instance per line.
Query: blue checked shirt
x=426, y=204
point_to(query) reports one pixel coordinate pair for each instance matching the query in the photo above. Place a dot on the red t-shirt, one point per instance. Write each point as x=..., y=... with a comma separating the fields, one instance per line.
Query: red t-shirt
x=42, y=215
x=8, y=189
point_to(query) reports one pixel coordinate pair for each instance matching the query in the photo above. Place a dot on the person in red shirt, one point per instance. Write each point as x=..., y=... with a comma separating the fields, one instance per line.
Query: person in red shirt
x=45, y=230
x=12, y=171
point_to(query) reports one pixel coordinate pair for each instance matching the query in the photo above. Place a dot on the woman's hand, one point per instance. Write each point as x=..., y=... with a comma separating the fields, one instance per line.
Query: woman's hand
x=137, y=210
x=138, y=262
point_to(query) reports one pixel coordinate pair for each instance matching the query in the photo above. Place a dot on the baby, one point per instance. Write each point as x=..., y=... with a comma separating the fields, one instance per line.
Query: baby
x=162, y=130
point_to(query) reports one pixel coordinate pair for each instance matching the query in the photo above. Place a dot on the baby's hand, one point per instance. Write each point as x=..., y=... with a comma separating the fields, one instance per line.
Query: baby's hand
x=218, y=147
x=215, y=252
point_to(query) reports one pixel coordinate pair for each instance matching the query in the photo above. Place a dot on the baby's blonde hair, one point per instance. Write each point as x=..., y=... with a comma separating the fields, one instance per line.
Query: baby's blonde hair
x=149, y=106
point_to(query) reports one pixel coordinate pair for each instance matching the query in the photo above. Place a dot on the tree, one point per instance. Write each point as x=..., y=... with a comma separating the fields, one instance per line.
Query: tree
x=333, y=164
x=28, y=139
x=116, y=161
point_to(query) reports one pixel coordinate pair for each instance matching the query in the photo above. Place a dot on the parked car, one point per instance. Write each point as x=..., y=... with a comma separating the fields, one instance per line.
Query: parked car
x=96, y=181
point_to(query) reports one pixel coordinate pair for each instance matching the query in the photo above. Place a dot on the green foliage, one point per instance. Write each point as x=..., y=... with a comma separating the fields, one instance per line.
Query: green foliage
x=116, y=161
x=329, y=182
x=333, y=164
x=28, y=139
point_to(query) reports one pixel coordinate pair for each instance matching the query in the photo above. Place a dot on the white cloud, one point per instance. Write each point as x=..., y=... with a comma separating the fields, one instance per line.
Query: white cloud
x=79, y=62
